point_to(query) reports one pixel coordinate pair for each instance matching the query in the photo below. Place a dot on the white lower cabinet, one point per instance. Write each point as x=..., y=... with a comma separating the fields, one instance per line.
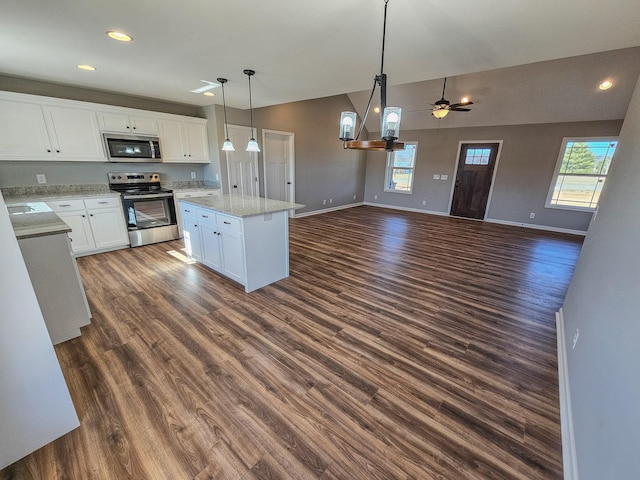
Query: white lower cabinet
x=97, y=224
x=178, y=195
x=253, y=251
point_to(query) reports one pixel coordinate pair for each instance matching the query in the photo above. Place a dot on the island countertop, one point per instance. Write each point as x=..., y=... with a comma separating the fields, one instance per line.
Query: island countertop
x=35, y=219
x=241, y=206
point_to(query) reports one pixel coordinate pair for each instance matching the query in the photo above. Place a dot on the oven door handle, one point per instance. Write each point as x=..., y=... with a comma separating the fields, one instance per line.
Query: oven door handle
x=151, y=195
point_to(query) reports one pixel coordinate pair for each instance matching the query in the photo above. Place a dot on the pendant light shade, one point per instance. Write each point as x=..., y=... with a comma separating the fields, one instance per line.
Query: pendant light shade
x=227, y=146
x=252, y=146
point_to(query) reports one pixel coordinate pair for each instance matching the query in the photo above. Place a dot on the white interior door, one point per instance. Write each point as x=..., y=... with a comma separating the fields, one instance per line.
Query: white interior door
x=242, y=166
x=279, y=161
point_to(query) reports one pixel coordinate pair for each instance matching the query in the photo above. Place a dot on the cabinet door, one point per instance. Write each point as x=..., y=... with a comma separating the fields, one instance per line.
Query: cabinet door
x=210, y=247
x=232, y=250
x=23, y=133
x=198, y=144
x=143, y=125
x=80, y=235
x=171, y=142
x=191, y=233
x=108, y=227
x=114, y=122
x=75, y=134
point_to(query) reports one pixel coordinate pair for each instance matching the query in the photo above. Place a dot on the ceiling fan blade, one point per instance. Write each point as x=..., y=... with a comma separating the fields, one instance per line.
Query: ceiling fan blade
x=456, y=105
x=459, y=109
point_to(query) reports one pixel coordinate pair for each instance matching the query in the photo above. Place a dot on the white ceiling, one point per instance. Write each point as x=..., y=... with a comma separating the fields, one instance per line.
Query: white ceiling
x=303, y=49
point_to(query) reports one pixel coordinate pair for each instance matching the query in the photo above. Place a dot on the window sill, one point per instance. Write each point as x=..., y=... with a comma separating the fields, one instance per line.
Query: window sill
x=571, y=207
x=397, y=191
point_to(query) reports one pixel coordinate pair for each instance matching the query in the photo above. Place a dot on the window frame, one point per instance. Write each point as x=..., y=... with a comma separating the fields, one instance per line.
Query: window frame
x=389, y=168
x=556, y=172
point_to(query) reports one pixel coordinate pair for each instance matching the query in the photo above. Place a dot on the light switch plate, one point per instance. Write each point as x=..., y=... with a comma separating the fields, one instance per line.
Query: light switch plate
x=444, y=177
x=436, y=176
x=193, y=175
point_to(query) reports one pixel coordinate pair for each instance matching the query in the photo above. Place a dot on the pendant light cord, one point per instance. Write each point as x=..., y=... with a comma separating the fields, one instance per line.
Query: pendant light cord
x=224, y=102
x=384, y=35
x=250, y=106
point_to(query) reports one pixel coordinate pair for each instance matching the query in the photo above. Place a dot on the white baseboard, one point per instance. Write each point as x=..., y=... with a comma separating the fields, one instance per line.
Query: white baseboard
x=326, y=210
x=406, y=209
x=569, y=456
x=536, y=227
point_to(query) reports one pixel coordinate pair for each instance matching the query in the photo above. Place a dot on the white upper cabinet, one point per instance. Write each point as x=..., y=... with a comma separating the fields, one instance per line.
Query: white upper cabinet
x=23, y=132
x=133, y=124
x=184, y=141
x=74, y=133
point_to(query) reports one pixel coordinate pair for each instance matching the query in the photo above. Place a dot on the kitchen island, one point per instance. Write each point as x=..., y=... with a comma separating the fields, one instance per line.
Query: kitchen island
x=44, y=243
x=243, y=238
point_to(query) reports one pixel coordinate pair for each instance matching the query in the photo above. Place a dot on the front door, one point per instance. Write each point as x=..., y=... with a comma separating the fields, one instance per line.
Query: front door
x=473, y=179
x=278, y=165
x=242, y=166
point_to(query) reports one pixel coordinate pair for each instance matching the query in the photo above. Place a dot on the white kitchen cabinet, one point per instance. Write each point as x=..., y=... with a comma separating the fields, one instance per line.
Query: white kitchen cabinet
x=192, y=239
x=24, y=132
x=74, y=133
x=177, y=195
x=232, y=254
x=184, y=141
x=97, y=224
x=124, y=123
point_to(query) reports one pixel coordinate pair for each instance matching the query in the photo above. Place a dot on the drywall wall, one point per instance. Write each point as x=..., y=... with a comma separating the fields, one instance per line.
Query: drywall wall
x=35, y=405
x=525, y=170
x=603, y=302
x=70, y=92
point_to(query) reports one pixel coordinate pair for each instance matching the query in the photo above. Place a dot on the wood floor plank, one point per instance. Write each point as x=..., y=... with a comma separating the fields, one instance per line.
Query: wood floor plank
x=402, y=346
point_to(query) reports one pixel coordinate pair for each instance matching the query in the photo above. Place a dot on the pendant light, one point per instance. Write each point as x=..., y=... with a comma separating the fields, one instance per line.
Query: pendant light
x=252, y=146
x=389, y=121
x=227, y=146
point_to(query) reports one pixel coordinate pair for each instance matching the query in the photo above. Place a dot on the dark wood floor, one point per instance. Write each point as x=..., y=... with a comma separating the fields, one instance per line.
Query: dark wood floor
x=403, y=346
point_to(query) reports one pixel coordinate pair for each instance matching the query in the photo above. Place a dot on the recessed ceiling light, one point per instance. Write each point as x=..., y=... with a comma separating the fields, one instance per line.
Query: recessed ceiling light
x=606, y=85
x=209, y=94
x=464, y=100
x=121, y=37
x=377, y=109
x=86, y=67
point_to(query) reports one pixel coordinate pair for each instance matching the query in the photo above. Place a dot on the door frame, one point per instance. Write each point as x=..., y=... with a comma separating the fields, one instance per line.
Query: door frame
x=255, y=158
x=292, y=162
x=493, y=176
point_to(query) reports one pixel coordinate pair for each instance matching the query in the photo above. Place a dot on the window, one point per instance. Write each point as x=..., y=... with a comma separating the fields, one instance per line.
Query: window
x=581, y=171
x=400, y=167
x=477, y=156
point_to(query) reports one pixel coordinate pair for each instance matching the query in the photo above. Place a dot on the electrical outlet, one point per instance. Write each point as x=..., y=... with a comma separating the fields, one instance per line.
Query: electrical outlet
x=444, y=177
x=354, y=197
x=331, y=200
x=375, y=197
x=436, y=176
x=193, y=175
x=217, y=177
x=575, y=339
x=41, y=178
x=424, y=202
x=324, y=202
x=532, y=215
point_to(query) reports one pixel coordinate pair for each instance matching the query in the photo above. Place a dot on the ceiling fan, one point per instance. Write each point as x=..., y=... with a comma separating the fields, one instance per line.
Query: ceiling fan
x=442, y=107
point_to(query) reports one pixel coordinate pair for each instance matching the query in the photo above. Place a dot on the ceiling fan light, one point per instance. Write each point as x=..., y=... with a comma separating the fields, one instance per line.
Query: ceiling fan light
x=440, y=113
x=227, y=146
x=252, y=146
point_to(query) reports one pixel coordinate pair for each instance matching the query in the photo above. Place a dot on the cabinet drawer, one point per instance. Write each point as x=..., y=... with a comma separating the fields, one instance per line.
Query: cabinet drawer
x=187, y=211
x=230, y=223
x=102, y=202
x=66, y=205
x=206, y=217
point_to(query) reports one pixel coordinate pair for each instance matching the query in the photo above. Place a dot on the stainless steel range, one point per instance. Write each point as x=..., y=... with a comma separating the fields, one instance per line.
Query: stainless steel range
x=148, y=208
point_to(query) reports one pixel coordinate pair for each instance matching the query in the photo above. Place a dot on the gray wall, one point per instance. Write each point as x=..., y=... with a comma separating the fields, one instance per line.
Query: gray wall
x=324, y=170
x=527, y=162
x=603, y=302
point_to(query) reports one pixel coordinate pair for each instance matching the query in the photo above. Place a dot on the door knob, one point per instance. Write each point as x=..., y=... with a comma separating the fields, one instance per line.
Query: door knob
x=288, y=183
x=235, y=186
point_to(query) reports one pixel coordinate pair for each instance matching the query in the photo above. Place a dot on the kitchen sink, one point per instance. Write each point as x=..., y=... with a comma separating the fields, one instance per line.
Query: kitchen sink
x=31, y=207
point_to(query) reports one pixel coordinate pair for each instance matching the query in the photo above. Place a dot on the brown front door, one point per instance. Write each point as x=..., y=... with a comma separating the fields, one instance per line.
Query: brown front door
x=473, y=179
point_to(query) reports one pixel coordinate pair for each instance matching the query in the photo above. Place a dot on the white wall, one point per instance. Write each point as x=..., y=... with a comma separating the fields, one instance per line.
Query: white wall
x=603, y=302
x=35, y=406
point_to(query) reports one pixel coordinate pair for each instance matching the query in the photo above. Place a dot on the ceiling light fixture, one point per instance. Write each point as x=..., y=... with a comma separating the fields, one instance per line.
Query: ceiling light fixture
x=606, y=85
x=252, y=146
x=464, y=100
x=227, y=146
x=121, y=37
x=88, y=68
x=440, y=112
x=209, y=94
x=390, y=118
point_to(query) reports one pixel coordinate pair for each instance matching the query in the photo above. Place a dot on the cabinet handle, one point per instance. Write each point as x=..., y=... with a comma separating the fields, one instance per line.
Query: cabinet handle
x=205, y=216
x=83, y=216
x=57, y=151
x=187, y=211
x=48, y=150
x=91, y=214
x=64, y=205
x=227, y=223
x=127, y=126
x=134, y=128
x=189, y=154
x=102, y=203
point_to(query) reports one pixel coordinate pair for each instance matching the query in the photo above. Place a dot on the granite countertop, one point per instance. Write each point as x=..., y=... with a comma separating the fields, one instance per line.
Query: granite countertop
x=52, y=197
x=241, y=206
x=192, y=189
x=35, y=219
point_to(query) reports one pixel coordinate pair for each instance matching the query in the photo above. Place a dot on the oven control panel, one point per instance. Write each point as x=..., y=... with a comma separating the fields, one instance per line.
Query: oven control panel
x=133, y=178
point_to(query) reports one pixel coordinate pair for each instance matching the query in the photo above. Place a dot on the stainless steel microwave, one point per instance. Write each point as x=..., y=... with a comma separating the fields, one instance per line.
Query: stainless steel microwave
x=130, y=148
